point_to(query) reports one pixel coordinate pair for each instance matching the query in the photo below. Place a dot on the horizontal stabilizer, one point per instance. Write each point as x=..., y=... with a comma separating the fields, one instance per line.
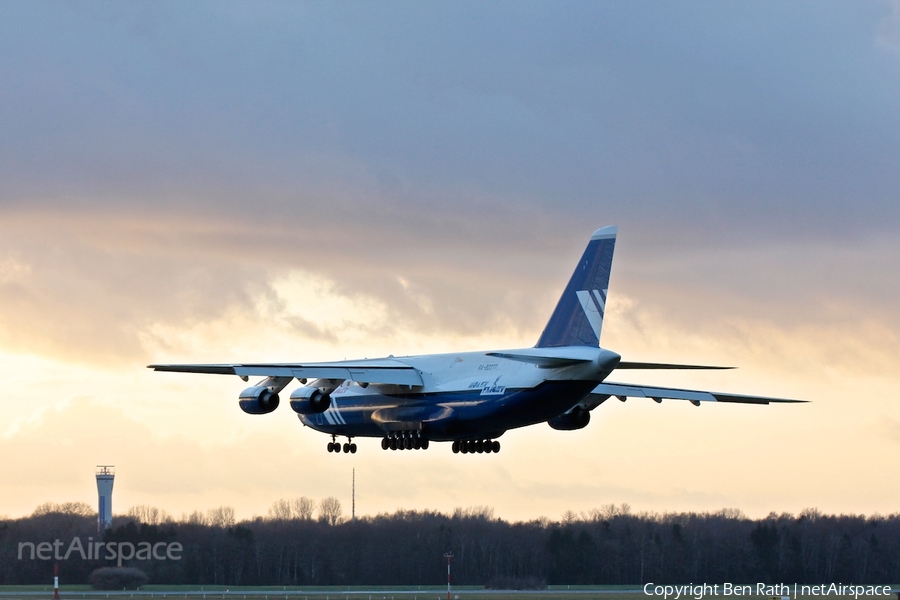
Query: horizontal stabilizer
x=647, y=365
x=551, y=357
x=625, y=390
x=365, y=371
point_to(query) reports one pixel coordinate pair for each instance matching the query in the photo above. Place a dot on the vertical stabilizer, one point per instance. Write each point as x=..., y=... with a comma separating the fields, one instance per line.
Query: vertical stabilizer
x=578, y=318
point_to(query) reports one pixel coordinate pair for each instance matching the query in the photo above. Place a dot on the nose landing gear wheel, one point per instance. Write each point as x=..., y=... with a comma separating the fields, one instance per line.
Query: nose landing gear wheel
x=348, y=447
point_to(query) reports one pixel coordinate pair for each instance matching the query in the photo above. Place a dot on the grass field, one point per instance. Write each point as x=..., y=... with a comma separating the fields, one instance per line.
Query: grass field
x=84, y=592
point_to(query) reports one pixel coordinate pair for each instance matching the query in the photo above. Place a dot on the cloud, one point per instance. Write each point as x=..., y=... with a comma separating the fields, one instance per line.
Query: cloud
x=888, y=31
x=303, y=181
x=891, y=429
x=830, y=298
x=91, y=284
x=82, y=290
x=106, y=287
x=468, y=114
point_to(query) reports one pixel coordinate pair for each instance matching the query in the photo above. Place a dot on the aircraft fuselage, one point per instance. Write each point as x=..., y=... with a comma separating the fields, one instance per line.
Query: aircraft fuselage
x=470, y=395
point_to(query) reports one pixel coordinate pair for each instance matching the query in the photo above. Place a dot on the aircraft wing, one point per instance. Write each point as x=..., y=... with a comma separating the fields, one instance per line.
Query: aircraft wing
x=573, y=355
x=658, y=394
x=385, y=371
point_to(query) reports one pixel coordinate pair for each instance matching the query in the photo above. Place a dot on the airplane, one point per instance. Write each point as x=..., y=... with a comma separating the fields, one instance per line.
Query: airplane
x=470, y=398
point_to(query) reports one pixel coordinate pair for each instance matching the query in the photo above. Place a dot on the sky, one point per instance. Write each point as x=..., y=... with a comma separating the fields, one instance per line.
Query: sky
x=313, y=181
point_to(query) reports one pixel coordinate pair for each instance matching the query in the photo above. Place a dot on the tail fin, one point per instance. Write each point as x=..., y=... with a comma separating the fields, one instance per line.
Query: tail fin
x=578, y=317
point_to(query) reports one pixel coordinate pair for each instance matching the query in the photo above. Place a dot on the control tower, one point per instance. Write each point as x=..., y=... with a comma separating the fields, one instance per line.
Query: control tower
x=105, y=476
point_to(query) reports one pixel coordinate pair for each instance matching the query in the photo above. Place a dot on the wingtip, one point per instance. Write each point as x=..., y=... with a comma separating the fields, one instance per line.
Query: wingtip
x=744, y=399
x=626, y=364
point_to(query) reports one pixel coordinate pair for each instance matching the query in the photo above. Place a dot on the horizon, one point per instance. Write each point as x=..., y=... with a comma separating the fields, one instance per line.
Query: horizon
x=257, y=182
x=608, y=511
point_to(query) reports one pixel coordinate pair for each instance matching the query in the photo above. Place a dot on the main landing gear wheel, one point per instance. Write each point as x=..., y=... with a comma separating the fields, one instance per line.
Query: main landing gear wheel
x=475, y=446
x=334, y=446
x=404, y=440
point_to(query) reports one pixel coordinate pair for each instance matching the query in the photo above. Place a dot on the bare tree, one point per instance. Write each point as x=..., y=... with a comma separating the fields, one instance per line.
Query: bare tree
x=812, y=514
x=730, y=513
x=149, y=515
x=79, y=509
x=330, y=511
x=627, y=547
x=474, y=512
x=608, y=512
x=195, y=518
x=303, y=508
x=280, y=510
x=58, y=520
x=569, y=517
x=221, y=517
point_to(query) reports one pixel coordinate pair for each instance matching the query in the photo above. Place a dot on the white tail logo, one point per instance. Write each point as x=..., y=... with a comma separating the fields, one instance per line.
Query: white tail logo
x=593, y=302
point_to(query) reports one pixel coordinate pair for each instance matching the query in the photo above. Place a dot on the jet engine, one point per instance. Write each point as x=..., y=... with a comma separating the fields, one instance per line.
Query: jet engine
x=258, y=400
x=577, y=418
x=262, y=398
x=309, y=400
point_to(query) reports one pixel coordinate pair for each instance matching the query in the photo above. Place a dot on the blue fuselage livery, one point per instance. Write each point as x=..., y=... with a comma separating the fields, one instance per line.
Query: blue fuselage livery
x=459, y=402
x=469, y=398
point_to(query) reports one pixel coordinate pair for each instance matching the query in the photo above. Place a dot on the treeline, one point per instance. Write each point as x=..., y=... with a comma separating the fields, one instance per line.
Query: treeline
x=302, y=542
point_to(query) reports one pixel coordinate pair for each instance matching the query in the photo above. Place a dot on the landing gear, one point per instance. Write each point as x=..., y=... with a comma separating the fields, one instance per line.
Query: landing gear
x=335, y=446
x=404, y=440
x=475, y=446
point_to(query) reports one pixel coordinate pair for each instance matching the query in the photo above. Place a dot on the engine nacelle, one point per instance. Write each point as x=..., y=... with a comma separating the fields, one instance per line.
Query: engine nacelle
x=258, y=400
x=309, y=401
x=577, y=418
